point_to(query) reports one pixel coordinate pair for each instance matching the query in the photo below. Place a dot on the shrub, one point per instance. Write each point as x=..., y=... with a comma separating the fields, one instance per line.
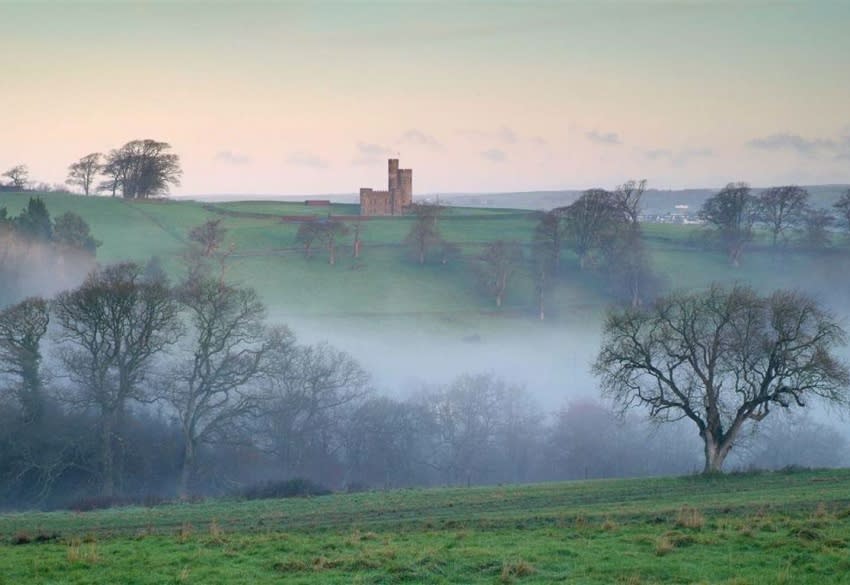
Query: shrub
x=289, y=488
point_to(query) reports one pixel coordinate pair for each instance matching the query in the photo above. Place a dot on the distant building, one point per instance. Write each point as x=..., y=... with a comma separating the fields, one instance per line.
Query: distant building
x=395, y=199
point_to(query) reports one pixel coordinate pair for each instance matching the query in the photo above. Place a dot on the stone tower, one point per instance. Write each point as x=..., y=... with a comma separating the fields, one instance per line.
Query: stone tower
x=395, y=199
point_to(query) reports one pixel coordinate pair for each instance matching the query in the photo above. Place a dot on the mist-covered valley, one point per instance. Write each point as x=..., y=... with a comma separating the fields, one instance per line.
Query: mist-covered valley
x=176, y=379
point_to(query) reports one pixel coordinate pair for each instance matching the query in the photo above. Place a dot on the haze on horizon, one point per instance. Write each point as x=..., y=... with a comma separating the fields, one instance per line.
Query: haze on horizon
x=292, y=98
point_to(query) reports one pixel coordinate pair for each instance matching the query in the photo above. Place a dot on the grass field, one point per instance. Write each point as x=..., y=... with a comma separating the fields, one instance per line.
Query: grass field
x=384, y=281
x=779, y=527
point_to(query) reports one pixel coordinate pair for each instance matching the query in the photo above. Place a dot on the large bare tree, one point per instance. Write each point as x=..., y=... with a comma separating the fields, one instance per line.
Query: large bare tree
x=732, y=213
x=84, y=172
x=722, y=359
x=215, y=384
x=112, y=328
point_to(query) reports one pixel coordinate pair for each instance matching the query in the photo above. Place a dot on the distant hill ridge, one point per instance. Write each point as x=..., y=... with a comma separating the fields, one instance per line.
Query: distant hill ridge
x=655, y=200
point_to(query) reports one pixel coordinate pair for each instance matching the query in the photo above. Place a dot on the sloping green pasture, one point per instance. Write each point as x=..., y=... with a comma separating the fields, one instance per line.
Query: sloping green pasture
x=384, y=281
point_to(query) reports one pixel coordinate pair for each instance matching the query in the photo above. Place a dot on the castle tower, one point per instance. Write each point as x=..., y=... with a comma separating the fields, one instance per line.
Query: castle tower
x=395, y=199
x=405, y=188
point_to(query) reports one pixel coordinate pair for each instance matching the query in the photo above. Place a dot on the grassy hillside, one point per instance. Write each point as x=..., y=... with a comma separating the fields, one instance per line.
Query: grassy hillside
x=748, y=529
x=384, y=281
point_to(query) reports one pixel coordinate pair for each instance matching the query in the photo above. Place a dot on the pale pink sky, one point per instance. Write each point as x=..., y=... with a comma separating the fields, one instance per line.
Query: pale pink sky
x=293, y=98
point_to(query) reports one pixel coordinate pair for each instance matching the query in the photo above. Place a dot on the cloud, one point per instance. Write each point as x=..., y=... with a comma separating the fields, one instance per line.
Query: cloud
x=794, y=142
x=609, y=138
x=419, y=138
x=306, y=159
x=370, y=154
x=678, y=158
x=367, y=149
x=836, y=148
x=495, y=155
x=233, y=158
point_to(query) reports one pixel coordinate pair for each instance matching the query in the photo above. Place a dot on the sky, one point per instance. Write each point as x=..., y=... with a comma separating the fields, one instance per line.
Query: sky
x=312, y=98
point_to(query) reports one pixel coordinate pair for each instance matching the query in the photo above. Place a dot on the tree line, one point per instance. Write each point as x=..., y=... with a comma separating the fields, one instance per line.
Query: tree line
x=139, y=169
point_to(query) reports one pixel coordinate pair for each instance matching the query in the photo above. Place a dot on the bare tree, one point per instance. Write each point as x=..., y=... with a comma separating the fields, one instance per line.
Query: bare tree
x=842, y=206
x=112, y=329
x=22, y=328
x=83, y=172
x=722, y=359
x=467, y=415
x=627, y=199
x=306, y=394
x=424, y=233
x=629, y=268
x=549, y=234
x=816, y=226
x=590, y=220
x=19, y=176
x=115, y=168
x=383, y=443
x=215, y=384
x=307, y=233
x=782, y=208
x=208, y=237
x=498, y=263
x=732, y=212
x=328, y=232
x=627, y=260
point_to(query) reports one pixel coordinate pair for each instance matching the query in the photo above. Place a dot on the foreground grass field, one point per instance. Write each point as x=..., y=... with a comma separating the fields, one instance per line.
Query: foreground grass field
x=740, y=529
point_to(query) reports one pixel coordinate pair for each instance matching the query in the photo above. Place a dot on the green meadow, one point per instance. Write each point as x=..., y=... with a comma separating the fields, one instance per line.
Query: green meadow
x=784, y=527
x=383, y=281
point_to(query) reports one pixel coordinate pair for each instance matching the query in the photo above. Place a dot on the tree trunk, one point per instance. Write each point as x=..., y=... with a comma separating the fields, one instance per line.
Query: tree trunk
x=540, y=309
x=107, y=472
x=715, y=453
x=186, y=470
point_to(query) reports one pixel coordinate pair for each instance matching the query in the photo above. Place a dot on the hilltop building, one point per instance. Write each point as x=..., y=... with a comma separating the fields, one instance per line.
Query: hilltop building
x=395, y=199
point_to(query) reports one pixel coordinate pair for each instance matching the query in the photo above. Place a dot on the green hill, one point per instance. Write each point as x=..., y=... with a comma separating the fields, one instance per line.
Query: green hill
x=384, y=281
